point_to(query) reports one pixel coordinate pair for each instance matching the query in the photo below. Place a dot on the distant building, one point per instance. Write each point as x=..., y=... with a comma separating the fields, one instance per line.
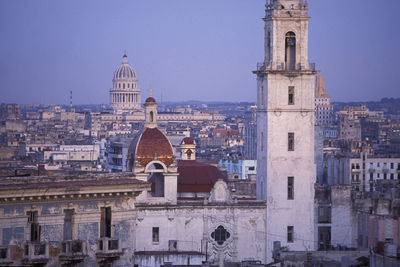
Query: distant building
x=323, y=107
x=250, y=134
x=9, y=111
x=362, y=171
x=239, y=169
x=117, y=153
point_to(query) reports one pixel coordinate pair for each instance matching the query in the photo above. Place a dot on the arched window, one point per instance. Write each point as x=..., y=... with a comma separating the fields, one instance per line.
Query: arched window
x=290, y=51
x=123, y=86
x=151, y=116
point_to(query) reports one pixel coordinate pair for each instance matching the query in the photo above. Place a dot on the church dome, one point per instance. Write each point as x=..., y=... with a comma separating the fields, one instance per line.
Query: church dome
x=150, y=100
x=125, y=71
x=151, y=145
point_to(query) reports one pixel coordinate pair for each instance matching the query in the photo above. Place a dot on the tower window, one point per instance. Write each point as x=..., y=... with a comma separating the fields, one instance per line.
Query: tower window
x=262, y=141
x=123, y=86
x=291, y=95
x=290, y=188
x=156, y=235
x=262, y=94
x=290, y=51
x=290, y=232
x=151, y=116
x=290, y=141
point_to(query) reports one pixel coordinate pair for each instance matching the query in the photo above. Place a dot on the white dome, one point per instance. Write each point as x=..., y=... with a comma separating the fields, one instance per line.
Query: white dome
x=125, y=72
x=125, y=94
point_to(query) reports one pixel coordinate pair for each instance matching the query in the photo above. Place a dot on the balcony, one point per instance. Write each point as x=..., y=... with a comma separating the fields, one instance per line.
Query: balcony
x=109, y=249
x=274, y=66
x=371, y=170
x=36, y=253
x=73, y=251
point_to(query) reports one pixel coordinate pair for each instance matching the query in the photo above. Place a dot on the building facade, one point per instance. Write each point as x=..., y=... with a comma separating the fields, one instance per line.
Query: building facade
x=285, y=127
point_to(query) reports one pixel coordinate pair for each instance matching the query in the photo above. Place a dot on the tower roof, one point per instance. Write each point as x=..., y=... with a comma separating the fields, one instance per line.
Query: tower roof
x=187, y=141
x=150, y=99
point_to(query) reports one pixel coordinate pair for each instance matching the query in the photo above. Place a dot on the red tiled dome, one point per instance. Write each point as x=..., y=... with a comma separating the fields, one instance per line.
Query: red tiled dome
x=153, y=144
x=187, y=141
x=150, y=100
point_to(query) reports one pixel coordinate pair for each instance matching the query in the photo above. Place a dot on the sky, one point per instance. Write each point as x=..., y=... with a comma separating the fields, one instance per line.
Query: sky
x=186, y=49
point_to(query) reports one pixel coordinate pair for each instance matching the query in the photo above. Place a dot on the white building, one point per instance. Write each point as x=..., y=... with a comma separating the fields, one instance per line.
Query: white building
x=125, y=94
x=362, y=171
x=285, y=127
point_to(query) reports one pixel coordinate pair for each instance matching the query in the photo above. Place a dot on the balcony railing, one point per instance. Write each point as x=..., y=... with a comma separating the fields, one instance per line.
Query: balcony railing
x=73, y=250
x=282, y=66
x=36, y=252
x=109, y=248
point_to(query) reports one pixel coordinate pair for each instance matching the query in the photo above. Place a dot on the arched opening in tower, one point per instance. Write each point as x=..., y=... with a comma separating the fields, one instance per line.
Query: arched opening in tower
x=290, y=51
x=156, y=178
x=151, y=116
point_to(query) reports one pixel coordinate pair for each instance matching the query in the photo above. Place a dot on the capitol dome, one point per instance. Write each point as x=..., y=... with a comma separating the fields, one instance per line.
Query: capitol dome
x=125, y=94
x=125, y=71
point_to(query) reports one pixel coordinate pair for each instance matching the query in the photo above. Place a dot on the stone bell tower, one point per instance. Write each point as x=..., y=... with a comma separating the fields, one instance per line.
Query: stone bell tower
x=285, y=127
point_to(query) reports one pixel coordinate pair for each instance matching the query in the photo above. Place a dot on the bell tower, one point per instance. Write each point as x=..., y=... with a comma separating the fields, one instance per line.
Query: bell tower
x=285, y=127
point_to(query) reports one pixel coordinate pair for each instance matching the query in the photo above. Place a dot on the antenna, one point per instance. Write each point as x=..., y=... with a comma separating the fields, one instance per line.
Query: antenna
x=70, y=100
x=150, y=91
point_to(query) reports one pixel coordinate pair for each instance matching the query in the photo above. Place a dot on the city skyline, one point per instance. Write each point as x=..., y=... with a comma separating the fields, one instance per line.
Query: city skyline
x=199, y=50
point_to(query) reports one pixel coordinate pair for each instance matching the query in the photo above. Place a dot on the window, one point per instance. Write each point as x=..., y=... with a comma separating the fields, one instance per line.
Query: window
x=105, y=222
x=392, y=165
x=290, y=234
x=156, y=234
x=290, y=141
x=34, y=225
x=391, y=176
x=67, y=234
x=290, y=188
x=220, y=235
x=262, y=94
x=151, y=116
x=291, y=95
x=262, y=141
x=290, y=50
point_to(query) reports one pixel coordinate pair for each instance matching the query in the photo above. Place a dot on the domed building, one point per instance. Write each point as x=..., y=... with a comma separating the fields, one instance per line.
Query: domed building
x=125, y=94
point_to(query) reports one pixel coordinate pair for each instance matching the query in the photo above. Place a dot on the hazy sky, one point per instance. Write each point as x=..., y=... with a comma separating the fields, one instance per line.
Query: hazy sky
x=186, y=49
